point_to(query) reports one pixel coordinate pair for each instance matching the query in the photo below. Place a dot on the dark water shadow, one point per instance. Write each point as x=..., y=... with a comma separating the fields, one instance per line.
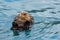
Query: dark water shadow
x=53, y=12
x=17, y=32
x=58, y=11
x=40, y=10
x=55, y=22
x=35, y=11
x=27, y=32
x=6, y=9
x=56, y=3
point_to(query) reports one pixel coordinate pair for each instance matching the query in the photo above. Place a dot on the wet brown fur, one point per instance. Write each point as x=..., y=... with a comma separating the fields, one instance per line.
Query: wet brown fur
x=22, y=18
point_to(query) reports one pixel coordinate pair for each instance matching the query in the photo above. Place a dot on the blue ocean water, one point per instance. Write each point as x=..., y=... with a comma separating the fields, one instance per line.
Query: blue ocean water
x=47, y=12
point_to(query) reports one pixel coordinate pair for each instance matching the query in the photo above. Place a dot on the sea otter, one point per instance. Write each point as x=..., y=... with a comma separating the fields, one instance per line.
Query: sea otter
x=22, y=21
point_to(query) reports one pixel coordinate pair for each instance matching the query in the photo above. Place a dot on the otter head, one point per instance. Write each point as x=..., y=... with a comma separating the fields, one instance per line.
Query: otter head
x=24, y=16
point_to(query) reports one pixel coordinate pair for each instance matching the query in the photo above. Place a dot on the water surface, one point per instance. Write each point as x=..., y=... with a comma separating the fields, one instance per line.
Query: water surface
x=46, y=12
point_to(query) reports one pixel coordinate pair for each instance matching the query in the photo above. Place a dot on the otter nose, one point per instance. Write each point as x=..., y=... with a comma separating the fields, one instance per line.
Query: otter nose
x=24, y=14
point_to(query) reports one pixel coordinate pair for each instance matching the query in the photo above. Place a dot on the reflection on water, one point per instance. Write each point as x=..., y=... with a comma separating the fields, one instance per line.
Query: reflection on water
x=27, y=32
x=16, y=32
